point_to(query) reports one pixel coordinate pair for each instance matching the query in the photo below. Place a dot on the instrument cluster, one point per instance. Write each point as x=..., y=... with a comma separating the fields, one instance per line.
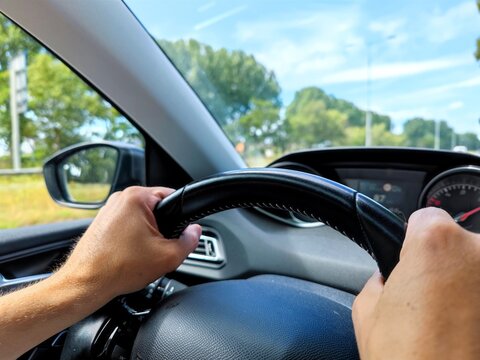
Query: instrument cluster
x=402, y=180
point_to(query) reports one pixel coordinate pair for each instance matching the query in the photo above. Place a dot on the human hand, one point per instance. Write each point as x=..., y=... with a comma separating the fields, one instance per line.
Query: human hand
x=122, y=251
x=429, y=306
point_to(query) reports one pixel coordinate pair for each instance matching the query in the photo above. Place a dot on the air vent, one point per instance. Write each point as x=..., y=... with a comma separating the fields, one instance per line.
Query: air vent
x=208, y=251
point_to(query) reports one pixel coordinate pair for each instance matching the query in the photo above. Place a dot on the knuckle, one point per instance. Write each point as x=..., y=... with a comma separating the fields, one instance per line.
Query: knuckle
x=438, y=234
x=430, y=230
x=114, y=195
x=132, y=190
x=133, y=194
x=441, y=226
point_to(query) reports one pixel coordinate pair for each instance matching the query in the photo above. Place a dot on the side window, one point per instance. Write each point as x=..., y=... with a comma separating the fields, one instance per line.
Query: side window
x=44, y=107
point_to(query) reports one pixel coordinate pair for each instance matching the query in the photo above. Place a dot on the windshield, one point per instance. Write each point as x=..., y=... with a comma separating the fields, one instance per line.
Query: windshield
x=280, y=76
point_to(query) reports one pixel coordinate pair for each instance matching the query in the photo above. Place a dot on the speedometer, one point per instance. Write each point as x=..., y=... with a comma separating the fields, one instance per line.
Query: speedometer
x=457, y=191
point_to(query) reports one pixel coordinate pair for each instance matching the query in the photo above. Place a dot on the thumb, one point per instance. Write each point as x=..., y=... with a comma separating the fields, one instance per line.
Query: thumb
x=187, y=242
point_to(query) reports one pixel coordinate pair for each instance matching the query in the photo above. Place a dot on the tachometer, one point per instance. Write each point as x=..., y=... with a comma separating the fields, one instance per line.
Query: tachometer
x=457, y=191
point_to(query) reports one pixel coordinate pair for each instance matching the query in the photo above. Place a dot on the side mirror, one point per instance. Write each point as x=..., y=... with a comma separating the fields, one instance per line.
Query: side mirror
x=84, y=175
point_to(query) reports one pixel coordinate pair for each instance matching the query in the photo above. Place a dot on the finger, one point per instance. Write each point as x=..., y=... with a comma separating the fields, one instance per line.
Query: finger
x=187, y=242
x=366, y=301
x=420, y=218
x=161, y=192
x=157, y=194
x=421, y=221
x=114, y=196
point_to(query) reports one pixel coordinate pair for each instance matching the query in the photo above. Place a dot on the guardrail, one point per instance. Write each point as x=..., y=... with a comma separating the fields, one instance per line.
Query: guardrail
x=26, y=171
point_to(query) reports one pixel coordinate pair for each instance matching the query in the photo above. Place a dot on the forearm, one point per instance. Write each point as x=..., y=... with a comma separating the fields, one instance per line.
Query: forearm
x=31, y=315
x=121, y=252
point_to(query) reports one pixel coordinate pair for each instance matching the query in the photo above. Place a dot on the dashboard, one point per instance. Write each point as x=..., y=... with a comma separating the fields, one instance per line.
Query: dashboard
x=402, y=180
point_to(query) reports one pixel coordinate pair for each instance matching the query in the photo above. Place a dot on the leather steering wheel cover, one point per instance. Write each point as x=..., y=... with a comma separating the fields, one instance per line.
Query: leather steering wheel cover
x=358, y=217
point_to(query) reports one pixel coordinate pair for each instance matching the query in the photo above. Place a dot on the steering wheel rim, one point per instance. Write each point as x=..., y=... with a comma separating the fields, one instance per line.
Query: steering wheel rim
x=363, y=220
x=270, y=318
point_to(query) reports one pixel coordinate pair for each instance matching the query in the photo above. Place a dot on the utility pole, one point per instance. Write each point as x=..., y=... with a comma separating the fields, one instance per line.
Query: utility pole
x=18, y=103
x=437, y=134
x=454, y=140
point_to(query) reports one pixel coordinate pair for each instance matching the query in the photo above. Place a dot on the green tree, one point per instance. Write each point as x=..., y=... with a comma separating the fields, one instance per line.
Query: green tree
x=262, y=124
x=311, y=123
x=468, y=139
x=228, y=82
x=381, y=136
x=12, y=41
x=355, y=116
x=420, y=132
x=60, y=105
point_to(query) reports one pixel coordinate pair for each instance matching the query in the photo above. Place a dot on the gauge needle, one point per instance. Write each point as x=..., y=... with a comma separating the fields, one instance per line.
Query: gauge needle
x=462, y=217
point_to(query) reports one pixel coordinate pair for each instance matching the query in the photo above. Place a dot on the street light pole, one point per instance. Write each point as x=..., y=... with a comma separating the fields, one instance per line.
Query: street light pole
x=437, y=135
x=18, y=104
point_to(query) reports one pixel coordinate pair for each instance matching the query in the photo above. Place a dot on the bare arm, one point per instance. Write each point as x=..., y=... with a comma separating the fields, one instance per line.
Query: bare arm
x=121, y=252
x=429, y=307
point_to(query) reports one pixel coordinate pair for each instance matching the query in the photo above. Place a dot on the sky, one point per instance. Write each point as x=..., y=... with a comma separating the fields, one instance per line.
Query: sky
x=420, y=51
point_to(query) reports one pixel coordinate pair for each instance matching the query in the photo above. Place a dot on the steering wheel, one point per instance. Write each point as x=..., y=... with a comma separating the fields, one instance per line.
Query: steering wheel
x=266, y=317
x=367, y=223
x=273, y=317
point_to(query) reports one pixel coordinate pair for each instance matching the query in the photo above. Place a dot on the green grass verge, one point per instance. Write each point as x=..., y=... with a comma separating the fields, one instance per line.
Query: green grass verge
x=24, y=200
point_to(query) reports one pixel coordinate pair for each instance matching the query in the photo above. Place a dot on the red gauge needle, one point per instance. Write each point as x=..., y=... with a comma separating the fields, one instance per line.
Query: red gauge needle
x=465, y=216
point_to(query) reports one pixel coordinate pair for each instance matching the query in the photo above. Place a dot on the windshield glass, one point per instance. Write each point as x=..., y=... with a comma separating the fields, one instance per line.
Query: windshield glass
x=280, y=76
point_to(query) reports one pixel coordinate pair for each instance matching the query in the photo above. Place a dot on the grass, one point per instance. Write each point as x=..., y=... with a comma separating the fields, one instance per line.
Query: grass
x=24, y=200
x=88, y=192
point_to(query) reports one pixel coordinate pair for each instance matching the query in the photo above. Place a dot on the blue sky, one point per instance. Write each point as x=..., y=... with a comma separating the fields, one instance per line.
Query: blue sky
x=422, y=60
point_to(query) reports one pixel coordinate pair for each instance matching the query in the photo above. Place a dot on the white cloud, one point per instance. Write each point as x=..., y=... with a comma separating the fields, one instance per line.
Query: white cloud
x=216, y=19
x=455, y=105
x=434, y=111
x=447, y=25
x=473, y=82
x=395, y=70
x=387, y=28
x=389, y=33
x=206, y=6
x=329, y=47
x=435, y=91
x=303, y=45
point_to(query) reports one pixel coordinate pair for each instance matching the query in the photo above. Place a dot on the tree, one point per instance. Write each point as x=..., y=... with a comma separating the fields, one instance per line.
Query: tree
x=311, y=123
x=12, y=41
x=381, y=136
x=228, y=82
x=62, y=109
x=262, y=125
x=420, y=132
x=60, y=106
x=468, y=139
x=355, y=116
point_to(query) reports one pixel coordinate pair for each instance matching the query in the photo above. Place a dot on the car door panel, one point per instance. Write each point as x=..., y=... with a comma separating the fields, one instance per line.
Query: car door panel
x=31, y=253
